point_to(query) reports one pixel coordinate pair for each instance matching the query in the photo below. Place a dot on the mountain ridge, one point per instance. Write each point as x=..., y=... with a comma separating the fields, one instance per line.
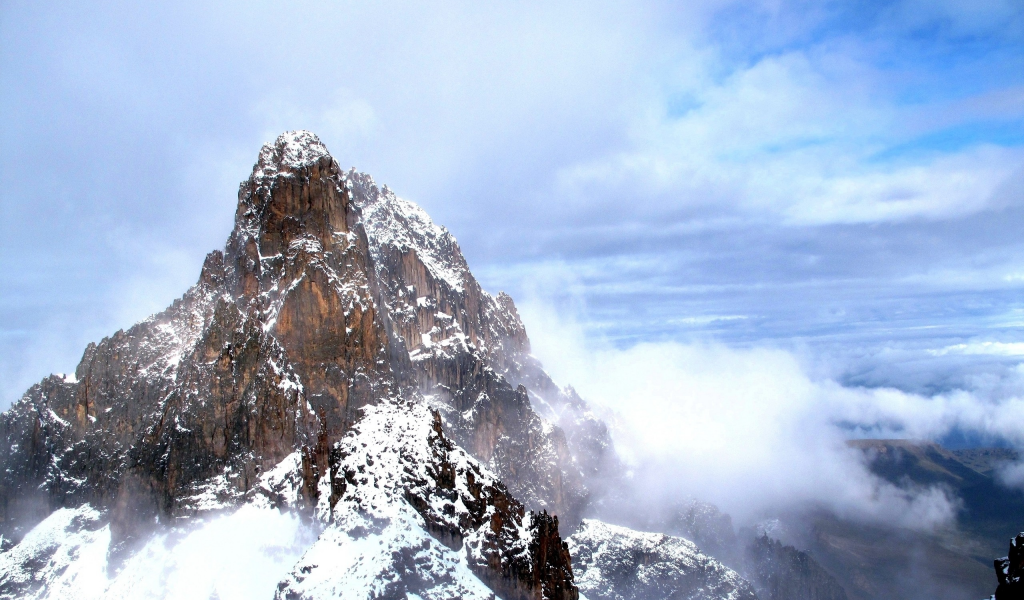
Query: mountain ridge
x=338, y=361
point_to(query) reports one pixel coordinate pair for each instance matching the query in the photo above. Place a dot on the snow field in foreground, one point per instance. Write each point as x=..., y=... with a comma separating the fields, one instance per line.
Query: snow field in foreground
x=240, y=556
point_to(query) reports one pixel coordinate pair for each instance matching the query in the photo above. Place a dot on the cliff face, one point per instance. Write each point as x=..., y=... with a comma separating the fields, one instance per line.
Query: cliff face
x=467, y=350
x=330, y=297
x=337, y=366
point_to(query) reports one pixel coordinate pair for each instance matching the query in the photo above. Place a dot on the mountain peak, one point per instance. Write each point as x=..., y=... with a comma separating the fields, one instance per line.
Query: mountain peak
x=296, y=190
x=290, y=151
x=333, y=303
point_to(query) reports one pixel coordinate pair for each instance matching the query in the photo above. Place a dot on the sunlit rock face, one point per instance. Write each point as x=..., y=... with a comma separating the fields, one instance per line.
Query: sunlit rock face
x=336, y=409
x=331, y=297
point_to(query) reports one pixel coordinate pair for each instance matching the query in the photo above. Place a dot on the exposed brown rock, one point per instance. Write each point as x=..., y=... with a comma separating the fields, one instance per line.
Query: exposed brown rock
x=289, y=332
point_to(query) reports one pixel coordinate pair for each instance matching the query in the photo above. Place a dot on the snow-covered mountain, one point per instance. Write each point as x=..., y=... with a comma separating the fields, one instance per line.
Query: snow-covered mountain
x=615, y=563
x=335, y=409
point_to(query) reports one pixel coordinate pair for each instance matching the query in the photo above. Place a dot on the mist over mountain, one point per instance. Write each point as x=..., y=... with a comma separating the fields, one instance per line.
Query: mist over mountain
x=338, y=409
x=337, y=372
x=744, y=310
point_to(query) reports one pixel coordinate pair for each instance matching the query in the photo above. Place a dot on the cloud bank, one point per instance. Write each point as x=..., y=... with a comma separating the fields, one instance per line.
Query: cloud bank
x=753, y=431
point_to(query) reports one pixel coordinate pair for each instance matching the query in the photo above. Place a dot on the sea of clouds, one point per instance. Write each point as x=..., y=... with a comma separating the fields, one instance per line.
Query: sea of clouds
x=758, y=430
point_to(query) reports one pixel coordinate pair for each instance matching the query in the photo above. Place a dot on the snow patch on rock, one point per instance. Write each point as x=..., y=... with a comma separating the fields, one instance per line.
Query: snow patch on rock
x=292, y=150
x=617, y=563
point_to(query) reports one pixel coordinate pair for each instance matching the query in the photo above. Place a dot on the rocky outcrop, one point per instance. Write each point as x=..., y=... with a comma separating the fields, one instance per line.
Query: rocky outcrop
x=616, y=563
x=543, y=571
x=397, y=474
x=781, y=572
x=1010, y=571
x=469, y=356
x=700, y=522
x=331, y=297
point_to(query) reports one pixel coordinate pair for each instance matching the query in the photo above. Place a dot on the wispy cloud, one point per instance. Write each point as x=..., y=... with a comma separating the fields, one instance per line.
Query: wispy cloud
x=993, y=348
x=806, y=164
x=756, y=432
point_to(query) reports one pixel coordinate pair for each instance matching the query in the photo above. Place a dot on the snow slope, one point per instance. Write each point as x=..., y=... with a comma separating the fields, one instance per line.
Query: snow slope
x=616, y=563
x=236, y=556
x=398, y=490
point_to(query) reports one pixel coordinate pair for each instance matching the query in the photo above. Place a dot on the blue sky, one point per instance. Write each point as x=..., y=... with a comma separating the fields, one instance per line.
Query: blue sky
x=844, y=181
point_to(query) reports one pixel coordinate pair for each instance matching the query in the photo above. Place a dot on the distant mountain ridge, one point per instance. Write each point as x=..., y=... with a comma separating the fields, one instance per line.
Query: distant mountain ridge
x=875, y=561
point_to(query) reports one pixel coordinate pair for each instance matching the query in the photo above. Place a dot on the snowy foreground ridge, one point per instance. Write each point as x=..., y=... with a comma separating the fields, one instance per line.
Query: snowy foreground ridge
x=372, y=543
x=335, y=410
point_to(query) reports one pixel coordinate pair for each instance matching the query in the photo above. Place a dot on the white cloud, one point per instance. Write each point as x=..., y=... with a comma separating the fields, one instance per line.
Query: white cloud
x=1011, y=474
x=240, y=555
x=340, y=116
x=236, y=556
x=750, y=430
x=794, y=137
x=985, y=348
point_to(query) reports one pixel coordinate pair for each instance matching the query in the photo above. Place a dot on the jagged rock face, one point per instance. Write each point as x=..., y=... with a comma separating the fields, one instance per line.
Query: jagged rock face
x=297, y=329
x=775, y=571
x=278, y=345
x=400, y=453
x=402, y=512
x=1010, y=571
x=469, y=356
x=700, y=522
x=616, y=563
x=298, y=257
x=784, y=573
x=34, y=435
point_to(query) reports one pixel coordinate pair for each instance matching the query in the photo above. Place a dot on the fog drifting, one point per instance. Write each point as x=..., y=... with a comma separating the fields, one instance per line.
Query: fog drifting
x=754, y=431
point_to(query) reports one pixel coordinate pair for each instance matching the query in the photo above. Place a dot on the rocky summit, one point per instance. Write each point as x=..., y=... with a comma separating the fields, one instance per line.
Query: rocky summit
x=336, y=378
